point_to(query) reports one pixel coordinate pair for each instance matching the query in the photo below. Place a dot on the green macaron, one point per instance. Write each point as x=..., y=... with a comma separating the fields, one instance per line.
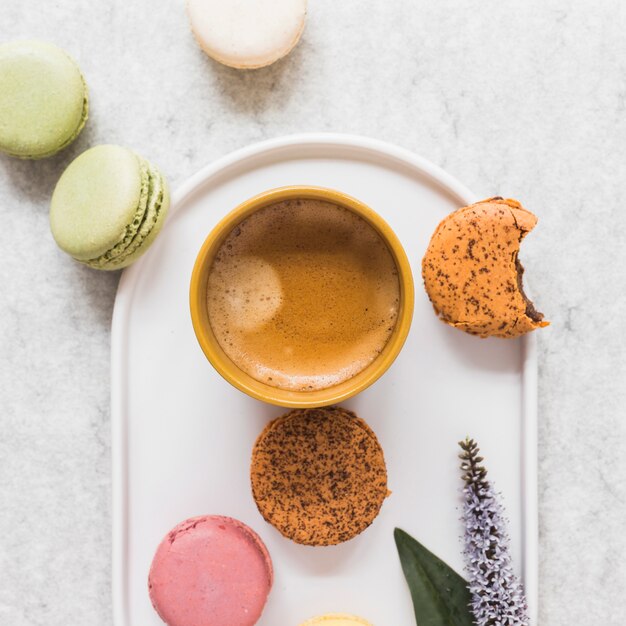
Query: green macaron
x=43, y=99
x=108, y=207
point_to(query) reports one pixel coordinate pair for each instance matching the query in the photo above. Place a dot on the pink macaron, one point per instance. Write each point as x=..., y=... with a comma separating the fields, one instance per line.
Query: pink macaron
x=210, y=571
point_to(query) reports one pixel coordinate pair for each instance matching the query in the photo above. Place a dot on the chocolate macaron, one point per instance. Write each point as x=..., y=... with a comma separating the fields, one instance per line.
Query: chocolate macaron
x=472, y=274
x=319, y=475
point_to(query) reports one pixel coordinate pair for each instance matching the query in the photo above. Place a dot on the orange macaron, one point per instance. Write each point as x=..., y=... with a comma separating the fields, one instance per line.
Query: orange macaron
x=472, y=274
x=319, y=475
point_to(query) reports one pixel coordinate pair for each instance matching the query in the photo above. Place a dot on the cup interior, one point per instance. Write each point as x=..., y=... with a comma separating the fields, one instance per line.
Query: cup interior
x=262, y=391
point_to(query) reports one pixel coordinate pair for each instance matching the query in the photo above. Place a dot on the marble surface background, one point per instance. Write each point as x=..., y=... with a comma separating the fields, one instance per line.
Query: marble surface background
x=524, y=99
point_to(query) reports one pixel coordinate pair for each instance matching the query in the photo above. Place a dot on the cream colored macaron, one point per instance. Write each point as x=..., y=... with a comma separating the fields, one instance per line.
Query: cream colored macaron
x=336, y=619
x=247, y=34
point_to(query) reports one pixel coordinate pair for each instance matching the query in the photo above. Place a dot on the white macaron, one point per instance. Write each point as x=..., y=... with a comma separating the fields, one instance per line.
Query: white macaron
x=247, y=34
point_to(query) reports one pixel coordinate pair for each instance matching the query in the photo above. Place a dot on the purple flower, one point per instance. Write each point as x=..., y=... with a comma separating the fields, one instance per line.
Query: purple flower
x=497, y=593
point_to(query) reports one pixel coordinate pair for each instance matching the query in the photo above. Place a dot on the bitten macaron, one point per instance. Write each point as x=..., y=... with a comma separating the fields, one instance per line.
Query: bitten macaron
x=210, y=570
x=472, y=274
x=44, y=102
x=247, y=34
x=108, y=207
x=336, y=619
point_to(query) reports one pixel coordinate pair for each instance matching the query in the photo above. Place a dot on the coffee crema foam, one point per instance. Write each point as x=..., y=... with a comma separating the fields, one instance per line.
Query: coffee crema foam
x=303, y=295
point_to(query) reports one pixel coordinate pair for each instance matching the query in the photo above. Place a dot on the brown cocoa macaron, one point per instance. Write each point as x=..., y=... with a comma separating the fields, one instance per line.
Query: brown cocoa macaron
x=472, y=274
x=319, y=475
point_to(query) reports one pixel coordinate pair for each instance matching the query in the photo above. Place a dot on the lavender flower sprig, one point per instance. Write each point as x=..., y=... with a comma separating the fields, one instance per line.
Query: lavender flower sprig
x=497, y=594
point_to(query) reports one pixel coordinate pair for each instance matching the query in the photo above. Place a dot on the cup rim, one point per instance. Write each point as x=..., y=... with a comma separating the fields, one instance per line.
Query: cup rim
x=274, y=395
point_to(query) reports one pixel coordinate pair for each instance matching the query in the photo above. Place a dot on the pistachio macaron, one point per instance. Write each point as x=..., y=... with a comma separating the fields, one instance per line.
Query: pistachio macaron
x=108, y=207
x=336, y=619
x=44, y=101
x=247, y=34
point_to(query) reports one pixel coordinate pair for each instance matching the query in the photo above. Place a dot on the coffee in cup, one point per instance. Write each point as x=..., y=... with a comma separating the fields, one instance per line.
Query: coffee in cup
x=303, y=294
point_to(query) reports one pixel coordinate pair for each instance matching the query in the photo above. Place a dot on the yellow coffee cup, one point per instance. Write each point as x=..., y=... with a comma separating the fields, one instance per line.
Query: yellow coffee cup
x=287, y=397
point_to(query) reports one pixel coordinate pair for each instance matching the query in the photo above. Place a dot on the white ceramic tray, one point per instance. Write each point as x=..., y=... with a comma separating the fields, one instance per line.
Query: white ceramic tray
x=182, y=436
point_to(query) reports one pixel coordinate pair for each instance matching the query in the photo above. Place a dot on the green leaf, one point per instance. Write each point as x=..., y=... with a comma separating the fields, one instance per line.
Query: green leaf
x=440, y=595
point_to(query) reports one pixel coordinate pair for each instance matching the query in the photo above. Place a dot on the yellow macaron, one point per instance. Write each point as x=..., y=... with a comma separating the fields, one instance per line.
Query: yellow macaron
x=336, y=619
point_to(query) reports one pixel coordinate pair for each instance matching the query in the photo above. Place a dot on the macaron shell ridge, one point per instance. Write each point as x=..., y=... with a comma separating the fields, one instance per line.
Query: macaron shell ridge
x=59, y=133
x=247, y=60
x=153, y=213
x=132, y=229
x=336, y=619
x=154, y=223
